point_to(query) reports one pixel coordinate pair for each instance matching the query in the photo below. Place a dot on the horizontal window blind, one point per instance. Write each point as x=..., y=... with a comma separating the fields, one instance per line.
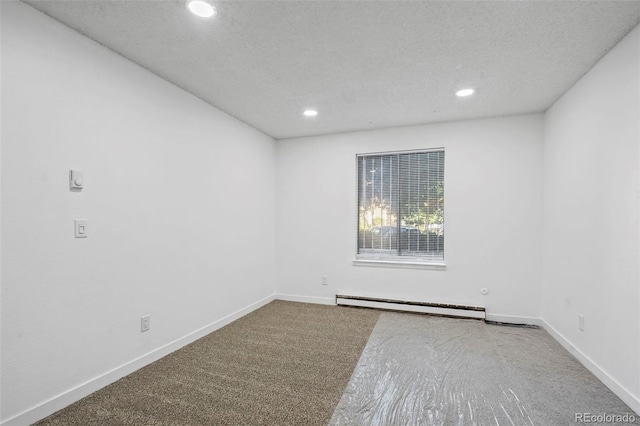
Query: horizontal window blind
x=401, y=206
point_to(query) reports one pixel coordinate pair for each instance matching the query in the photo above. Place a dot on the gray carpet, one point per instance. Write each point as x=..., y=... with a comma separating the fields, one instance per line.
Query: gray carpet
x=426, y=370
x=292, y=363
x=284, y=364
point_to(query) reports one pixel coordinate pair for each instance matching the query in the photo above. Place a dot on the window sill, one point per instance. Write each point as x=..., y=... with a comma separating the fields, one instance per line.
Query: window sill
x=380, y=263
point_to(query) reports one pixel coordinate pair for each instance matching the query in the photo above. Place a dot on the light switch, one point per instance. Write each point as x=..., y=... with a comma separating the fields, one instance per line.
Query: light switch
x=76, y=180
x=81, y=228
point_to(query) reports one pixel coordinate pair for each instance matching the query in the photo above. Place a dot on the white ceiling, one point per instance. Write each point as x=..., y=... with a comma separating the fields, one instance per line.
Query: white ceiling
x=361, y=64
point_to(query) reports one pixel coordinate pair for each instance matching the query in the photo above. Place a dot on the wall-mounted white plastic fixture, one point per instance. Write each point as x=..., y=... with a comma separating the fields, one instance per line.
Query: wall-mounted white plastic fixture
x=80, y=226
x=76, y=180
x=201, y=8
x=581, y=322
x=323, y=280
x=484, y=291
x=465, y=92
x=310, y=113
x=145, y=323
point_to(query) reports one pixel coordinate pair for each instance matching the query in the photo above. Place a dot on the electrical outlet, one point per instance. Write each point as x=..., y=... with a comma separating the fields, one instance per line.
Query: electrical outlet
x=581, y=322
x=145, y=323
x=323, y=280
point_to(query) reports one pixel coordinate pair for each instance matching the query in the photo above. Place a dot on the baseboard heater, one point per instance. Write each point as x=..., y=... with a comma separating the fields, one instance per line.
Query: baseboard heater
x=458, y=311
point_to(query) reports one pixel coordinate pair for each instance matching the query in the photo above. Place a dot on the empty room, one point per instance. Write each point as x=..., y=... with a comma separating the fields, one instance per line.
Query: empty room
x=319, y=212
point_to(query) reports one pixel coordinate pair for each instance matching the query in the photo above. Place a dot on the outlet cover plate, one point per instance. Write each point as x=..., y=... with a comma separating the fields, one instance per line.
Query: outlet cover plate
x=145, y=323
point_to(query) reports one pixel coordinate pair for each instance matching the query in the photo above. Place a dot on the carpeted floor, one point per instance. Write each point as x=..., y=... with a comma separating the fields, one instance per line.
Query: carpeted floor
x=290, y=363
x=286, y=363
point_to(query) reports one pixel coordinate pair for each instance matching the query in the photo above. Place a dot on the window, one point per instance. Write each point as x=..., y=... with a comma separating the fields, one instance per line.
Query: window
x=401, y=207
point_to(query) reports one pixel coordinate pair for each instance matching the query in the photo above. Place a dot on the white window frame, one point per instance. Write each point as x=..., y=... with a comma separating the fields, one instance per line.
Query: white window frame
x=388, y=261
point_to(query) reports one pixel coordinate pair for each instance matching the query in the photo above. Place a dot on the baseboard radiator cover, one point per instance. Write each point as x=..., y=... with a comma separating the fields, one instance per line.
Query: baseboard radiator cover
x=444, y=309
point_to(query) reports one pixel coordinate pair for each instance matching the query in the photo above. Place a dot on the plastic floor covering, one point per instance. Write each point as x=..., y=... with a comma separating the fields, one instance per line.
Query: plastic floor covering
x=426, y=370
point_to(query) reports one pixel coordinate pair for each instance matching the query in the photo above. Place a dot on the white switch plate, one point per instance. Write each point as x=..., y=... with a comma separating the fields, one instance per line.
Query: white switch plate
x=80, y=226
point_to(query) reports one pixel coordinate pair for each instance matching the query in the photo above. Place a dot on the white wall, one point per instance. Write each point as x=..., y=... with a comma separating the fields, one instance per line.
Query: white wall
x=591, y=173
x=493, y=195
x=179, y=196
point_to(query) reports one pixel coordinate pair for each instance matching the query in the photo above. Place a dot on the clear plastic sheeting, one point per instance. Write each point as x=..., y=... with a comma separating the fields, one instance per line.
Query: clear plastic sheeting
x=425, y=370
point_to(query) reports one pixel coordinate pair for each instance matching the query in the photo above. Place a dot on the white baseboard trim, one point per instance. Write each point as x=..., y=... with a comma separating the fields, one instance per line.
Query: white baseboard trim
x=627, y=397
x=306, y=299
x=72, y=395
x=513, y=319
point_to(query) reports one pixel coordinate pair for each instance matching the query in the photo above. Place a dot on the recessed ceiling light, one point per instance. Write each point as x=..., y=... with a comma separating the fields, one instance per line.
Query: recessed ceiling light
x=310, y=113
x=465, y=92
x=201, y=8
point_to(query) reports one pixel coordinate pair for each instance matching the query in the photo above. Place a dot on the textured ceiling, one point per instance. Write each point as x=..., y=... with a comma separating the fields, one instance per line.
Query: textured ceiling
x=361, y=64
